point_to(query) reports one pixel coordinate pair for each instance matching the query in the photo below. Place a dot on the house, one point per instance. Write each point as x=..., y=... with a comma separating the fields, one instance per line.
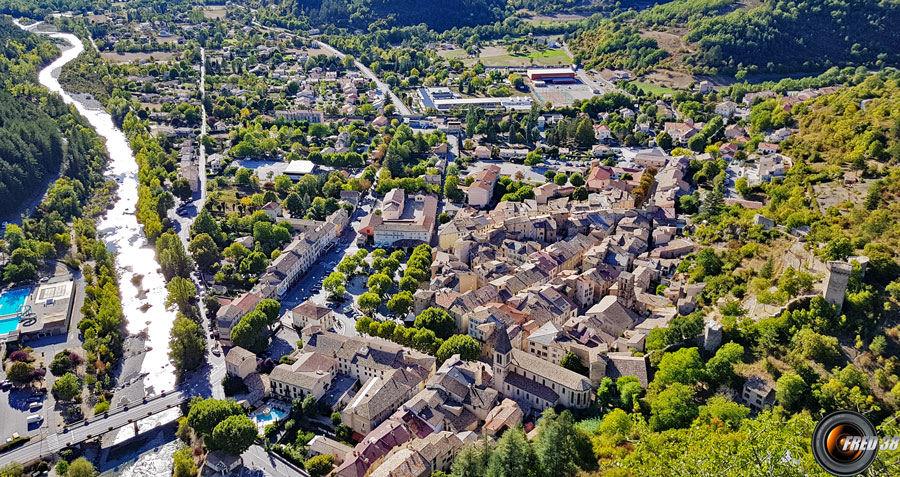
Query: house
x=772, y=166
x=766, y=148
x=240, y=362
x=705, y=87
x=229, y=315
x=513, y=153
x=222, y=463
x=503, y=417
x=311, y=375
x=726, y=109
x=481, y=190
x=322, y=445
x=405, y=221
x=734, y=131
x=680, y=132
x=602, y=132
x=482, y=152
x=272, y=210
x=758, y=392
x=653, y=158
x=311, y=313
x=380, y=121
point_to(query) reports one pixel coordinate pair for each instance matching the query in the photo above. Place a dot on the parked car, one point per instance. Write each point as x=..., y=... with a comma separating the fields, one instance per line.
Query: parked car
x=34, y=418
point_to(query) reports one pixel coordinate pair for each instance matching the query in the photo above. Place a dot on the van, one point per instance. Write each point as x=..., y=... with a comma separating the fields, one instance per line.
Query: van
x=34, y=418
x=34, y=405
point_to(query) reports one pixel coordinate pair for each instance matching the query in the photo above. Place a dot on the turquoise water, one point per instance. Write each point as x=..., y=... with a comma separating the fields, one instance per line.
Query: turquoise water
x=273, y=415
x=7, y=326
x=12, y=300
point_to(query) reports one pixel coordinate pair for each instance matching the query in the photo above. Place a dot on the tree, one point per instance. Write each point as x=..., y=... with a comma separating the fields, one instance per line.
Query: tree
x=294, y=205
x=464, y=345
x=173, y=260
x=81, y=467
x=309, y=407
x=437, y=320
x=233, y=435
x=720, y=368
x=332, y=282
x=250, y=333
x=242, y=177
x=205, y=414
x=560, y=179
x=697, y=143
x=742, y=187
x=673, y=407
x=20, y=373
x=401, y=303
x=183, y=463
x=319, y=465
x=379, y=283
x=719, y=409
x=562, y=448
x=452, y=190
x=67, y=387
x=283, y=184
x=206, y=224
x=181, y=294
x=616, y=423
x=683, y=366
x=236, y=252
x=368, y=302
x=664, y=140
x=790, y=391
x=363, y=324
x=812, y=345
x=513, y=456
x=580, y=193
x=409, y=284
x=630, y=391
x=709, y=262
x=271, y=308
x=572, y=362
x=204, y=251
x=472, y=459
x=187, y=344
x=61, y=363
x=584, y=134
x=576, y=179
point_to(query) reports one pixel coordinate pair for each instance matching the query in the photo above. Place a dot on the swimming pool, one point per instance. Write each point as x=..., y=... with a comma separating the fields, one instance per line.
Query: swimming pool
x=12, y=300
x=272, y=416
x=7, y=326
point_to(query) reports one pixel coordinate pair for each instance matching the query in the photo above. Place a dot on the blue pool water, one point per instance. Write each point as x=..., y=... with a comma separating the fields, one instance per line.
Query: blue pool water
x=12, y=300
x=271, y=416
x=7, y=326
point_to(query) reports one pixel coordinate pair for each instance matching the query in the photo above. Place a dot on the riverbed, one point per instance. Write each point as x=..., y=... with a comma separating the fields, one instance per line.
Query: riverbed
x=123, y=235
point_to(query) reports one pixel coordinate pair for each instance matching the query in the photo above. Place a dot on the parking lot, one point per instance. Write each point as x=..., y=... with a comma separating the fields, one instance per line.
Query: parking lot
x=16, y=406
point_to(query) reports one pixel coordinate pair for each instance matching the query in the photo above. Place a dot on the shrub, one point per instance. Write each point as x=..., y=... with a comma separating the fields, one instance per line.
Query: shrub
x=101, y=407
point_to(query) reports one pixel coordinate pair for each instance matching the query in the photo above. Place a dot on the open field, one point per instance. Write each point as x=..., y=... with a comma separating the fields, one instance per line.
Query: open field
x=214, y=12
x=498, y=56
x=556, y=17
x=652, y=88
x=137, y=57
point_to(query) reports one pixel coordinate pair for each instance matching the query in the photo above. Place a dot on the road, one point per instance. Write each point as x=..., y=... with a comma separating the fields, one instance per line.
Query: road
x=96, y=426
x=401, y=107
x=203, y=126
x=271, y=464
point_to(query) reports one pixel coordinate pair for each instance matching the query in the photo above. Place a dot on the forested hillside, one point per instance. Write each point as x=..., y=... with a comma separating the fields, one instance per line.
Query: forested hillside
x=779, y=36
x=809, y=35
x=361, y=13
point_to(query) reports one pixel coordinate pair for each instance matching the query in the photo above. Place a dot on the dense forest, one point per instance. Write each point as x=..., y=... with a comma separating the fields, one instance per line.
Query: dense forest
x=30, y=149
x=387, y=13
x=810, y=35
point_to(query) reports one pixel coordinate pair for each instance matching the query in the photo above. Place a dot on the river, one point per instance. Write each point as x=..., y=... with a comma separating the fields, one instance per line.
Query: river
x=134, y=255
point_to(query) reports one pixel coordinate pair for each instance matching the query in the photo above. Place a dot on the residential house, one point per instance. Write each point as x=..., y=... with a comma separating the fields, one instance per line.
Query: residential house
x=240, y=362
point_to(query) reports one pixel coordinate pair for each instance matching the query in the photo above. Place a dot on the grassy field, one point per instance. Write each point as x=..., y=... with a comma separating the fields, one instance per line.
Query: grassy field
x=652, y=88
x=498, y=56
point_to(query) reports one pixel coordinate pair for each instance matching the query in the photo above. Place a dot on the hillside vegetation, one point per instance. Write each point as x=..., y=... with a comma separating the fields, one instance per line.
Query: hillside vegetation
x=778, y=36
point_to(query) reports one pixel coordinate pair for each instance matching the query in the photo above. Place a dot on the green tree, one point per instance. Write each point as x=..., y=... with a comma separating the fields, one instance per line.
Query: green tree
x=401, y=303
x=67, y=387
x=319, y=465
x=812, y=345
x=572, y=362
x=673, y=407
x=437, y=320
x=576, y=179
x=251, y=332
x=333, y=281
x=182, y=293
x=271, y=308
x=205, y=414
x=368, y=302
x=20, y=372
x=173, y=260
x=204, y=251
x=464, y=345
x=584, y=134
x=560, y=179
x=380, y=283
x=206, y=224
x=790, y=391
x=183, y=463
x=630, y=391
x=683, y=366
x=452, y=190
x=233, y=435
x=562, y=448
x=187, y=344
x=616, y=423
x=472, y=459
x=664, y=140
x=81, y=467
x=513, y=456
x=720, y=368
x=742, y=187
x=719, y=409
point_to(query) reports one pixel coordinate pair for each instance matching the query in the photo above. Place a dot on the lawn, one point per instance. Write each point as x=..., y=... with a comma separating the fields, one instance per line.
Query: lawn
x=652, y=88
x=498, y=56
